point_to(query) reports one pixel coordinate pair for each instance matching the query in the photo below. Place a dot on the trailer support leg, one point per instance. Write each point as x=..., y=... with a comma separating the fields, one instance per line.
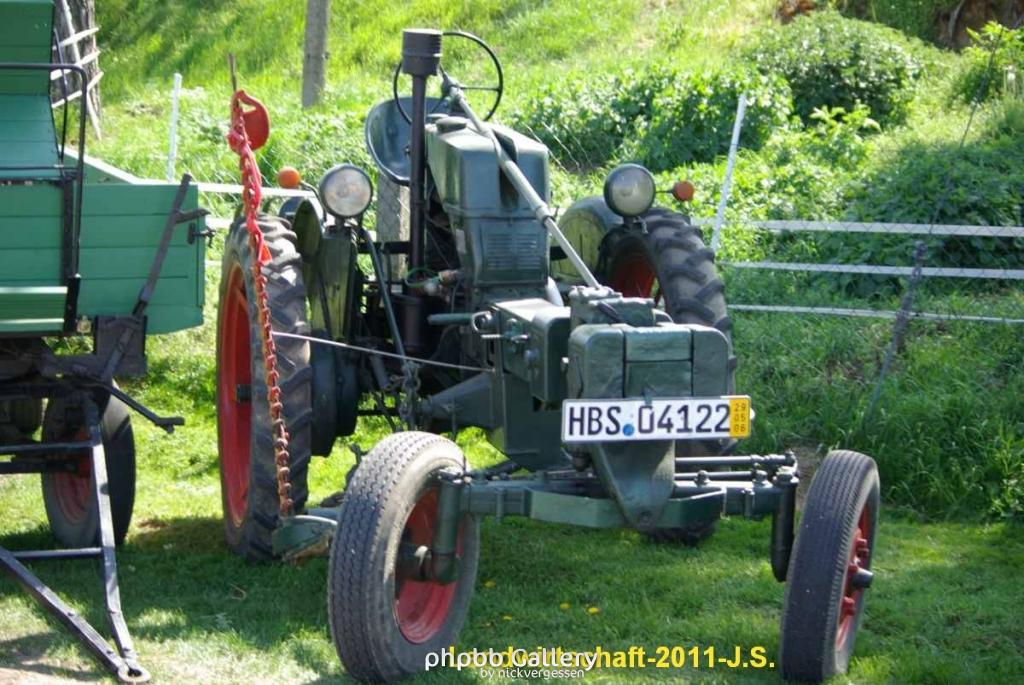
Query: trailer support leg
x=123, y=662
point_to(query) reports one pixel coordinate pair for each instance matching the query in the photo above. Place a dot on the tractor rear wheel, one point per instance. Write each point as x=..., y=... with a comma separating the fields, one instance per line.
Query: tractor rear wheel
x=247, y=467
x=71, y=506
x=830, y=570
x=670, y=264
x=384, y=620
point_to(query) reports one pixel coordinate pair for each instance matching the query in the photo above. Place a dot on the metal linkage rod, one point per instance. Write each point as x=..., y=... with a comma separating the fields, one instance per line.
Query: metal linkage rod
x=382, y=353
x=749, y=460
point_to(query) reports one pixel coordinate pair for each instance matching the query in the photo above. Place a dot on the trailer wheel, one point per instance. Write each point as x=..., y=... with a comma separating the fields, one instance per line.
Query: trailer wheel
x=671, y=265
x=384, y=625
x=68, y=497
x=829, y=573
x=247, y=469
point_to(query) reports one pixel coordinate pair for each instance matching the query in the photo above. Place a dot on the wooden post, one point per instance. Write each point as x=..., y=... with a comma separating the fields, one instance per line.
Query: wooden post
x=313, y=65
x=82, y=14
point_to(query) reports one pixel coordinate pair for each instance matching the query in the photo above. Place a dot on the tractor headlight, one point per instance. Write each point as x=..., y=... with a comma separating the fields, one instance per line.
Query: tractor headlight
x=346, y=191
x=629, y=190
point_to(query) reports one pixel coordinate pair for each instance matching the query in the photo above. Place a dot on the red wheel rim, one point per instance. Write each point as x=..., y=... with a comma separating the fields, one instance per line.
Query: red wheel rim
x=234, y=413
x=74, y=489
x=421, y=607
x=858, y=559
x=632, y=274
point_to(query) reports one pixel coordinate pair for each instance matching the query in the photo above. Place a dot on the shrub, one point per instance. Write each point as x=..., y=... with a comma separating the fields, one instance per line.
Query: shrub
x=583, y=120
x=924, y=182
x=833, y=61
x=693, y=118
x=995, y=50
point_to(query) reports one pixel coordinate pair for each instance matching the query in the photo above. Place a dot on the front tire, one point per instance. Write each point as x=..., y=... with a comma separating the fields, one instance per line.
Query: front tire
x=248, y=471
x=383, y=626
x=71, y=506
x=829, y=573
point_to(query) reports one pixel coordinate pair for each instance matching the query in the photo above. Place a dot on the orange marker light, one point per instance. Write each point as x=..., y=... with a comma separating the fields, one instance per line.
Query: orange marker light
x=289, y=177
x=683, y=191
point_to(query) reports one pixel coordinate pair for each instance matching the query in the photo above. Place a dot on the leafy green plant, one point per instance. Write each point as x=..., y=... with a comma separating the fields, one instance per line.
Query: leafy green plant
x=924, y=183
x=996, y=50
x=585, y=120
x=833, y=61
x=692, y=119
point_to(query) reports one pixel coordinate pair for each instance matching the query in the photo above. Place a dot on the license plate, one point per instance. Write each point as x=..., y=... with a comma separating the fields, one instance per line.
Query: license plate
x=659, y=419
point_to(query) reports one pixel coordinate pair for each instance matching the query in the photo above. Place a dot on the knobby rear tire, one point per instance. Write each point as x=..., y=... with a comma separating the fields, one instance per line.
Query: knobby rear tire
x=250, y=536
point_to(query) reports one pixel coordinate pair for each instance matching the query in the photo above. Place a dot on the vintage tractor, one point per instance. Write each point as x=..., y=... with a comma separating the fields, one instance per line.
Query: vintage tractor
x=85, y=255
x=610, y=390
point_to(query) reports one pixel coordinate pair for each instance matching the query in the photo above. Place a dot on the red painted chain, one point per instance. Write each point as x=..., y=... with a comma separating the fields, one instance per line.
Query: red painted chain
x=248, y=132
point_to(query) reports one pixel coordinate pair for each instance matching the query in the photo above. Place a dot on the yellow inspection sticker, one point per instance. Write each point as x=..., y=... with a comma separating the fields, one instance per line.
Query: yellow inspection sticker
x=739, y=417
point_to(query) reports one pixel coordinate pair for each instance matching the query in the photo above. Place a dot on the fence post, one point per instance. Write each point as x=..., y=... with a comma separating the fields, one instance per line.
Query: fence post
x=313, y=64
x=899, y=329
x=741, y=110
x=172, y=143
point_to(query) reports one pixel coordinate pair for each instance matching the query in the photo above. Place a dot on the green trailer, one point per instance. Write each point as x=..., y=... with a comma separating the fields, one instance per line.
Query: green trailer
x=90, y=254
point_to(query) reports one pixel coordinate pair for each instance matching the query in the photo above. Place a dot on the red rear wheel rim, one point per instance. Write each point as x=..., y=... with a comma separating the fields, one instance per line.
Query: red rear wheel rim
x=422, y=607
x=235, y=414
x=632, y=274
x=859, y=557
x=74, y=489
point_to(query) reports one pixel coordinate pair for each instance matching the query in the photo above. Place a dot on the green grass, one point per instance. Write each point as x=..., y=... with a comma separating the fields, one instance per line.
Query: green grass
x=938, y=613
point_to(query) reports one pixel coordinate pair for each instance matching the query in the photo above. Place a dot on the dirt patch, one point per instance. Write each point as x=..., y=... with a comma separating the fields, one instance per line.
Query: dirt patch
x=40, y=674
x=952, y=26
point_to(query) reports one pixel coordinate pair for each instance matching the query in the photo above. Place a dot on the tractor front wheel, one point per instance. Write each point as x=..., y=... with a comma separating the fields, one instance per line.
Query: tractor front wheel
x=71, y=506
x=830, y=571
x=249, y=493
x=384, y=618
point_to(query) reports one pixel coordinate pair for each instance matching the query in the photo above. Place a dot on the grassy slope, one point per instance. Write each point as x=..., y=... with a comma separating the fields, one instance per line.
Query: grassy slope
x=938, y=614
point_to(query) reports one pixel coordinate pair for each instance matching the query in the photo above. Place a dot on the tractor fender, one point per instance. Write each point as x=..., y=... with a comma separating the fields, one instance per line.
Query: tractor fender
x=585, y=224
x=305, y=219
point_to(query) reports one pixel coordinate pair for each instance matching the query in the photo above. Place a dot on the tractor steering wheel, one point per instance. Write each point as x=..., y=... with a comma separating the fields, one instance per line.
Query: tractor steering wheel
x=498, y=89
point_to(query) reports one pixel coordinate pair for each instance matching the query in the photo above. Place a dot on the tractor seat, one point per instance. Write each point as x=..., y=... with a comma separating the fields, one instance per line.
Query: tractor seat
x=387, y=137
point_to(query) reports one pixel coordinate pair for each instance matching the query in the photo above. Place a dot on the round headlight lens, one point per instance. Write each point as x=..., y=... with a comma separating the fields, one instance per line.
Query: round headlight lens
x=629, y=190
x=346, y=191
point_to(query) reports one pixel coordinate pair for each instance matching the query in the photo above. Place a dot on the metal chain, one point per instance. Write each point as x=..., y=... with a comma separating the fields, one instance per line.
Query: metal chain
x=252, y=186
